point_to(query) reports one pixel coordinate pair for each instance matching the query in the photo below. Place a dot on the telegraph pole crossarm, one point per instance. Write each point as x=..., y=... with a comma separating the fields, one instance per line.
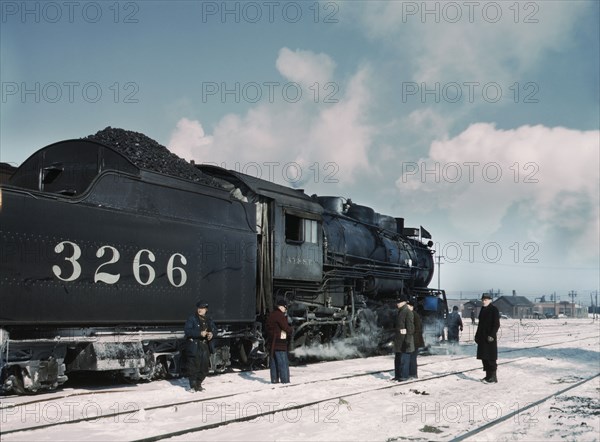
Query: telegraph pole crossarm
x=573, y=294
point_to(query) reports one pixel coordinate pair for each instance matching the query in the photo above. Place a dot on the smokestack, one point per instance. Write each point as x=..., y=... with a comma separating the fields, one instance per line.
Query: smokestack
x=514, y=293
x=400, y=225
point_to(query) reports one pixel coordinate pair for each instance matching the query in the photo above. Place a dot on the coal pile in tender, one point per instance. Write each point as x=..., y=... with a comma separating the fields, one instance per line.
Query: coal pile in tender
x=148, y=154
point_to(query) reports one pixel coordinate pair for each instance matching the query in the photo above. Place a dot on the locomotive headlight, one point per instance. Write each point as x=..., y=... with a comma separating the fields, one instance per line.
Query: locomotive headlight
x=409, y=262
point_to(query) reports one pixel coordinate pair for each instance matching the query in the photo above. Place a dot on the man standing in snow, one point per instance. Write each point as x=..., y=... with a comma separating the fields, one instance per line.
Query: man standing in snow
x=278, y=333
x=199, y=330
x=404, y=343
x=454, y=324
x=418, y=337
x=486, y=338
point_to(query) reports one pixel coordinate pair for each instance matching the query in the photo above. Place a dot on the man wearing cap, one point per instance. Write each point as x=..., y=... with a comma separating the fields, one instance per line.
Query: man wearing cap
x=278, y=333
x=487, y=339
x=199, y=330
x=403, y=340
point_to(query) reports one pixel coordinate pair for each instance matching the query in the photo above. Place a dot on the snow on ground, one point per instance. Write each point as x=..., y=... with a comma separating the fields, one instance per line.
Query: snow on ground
x=538, y=359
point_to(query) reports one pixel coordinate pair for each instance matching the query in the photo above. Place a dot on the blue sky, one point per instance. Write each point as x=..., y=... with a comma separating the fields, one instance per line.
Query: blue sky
x=477, y=120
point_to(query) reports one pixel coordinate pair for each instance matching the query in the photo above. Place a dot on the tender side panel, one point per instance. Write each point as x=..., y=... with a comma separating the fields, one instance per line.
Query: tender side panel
x=131, y=252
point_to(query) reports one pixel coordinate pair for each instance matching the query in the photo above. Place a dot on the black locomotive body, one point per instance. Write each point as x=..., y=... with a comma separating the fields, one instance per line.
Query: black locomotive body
x=102, y=261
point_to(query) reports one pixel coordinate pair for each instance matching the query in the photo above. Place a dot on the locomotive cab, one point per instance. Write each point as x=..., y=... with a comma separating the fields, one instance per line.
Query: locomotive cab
x=290, y=234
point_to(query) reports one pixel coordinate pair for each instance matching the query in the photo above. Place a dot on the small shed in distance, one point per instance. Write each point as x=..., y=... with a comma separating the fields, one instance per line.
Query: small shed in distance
x=514, y=306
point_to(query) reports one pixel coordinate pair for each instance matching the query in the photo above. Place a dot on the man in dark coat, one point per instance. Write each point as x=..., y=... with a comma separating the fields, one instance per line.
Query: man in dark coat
x=418, y=337
x=278, y=333
x=454, y=324
x=404, y=343
x=487, y=339
x=199, y=330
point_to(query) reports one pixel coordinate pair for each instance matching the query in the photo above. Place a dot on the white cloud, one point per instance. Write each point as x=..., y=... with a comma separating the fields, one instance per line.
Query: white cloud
x=551, y=174
x=429, y=122
x=321, y=138
x=493, y=41
x=305, y=67
x=340, y=135
x=188, y=139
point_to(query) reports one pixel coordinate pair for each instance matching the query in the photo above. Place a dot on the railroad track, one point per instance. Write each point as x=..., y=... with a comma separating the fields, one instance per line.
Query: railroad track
x=287, y=408
x=213, y=399
x=6, y=404
x=493, y=423
x=231, y=397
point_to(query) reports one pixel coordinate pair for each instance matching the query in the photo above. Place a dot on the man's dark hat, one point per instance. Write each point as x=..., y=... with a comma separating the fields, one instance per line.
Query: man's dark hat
x=282, y=303
x=455, y=308
x=202, y=304
x=486, y=296
x=412, y=301
x=402, y=298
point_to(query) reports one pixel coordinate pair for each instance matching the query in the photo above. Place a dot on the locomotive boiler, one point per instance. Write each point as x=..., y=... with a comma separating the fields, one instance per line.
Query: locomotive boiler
x=107, y=242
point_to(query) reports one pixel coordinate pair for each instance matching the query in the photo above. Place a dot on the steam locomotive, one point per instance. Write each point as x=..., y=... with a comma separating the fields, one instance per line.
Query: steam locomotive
x=102, y=260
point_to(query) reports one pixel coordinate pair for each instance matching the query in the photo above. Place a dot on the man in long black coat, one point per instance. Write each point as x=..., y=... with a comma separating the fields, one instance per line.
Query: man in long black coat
x=404, y=343
x=486, y=338
x=199, y=330
x=418, y=339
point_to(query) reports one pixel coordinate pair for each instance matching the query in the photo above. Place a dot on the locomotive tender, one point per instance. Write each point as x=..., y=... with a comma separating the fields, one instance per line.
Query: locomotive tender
x=103, y=257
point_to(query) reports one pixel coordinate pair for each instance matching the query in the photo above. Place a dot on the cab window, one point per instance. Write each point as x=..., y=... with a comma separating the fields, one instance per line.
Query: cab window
x=300, y=230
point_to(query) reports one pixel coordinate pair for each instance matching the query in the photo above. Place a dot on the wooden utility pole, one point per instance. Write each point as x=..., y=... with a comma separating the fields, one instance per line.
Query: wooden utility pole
x=494, y=294
x=573, y=294
x=439, y=265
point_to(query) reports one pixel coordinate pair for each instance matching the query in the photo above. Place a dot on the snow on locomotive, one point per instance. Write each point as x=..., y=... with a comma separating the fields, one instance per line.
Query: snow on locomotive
x=107, y=242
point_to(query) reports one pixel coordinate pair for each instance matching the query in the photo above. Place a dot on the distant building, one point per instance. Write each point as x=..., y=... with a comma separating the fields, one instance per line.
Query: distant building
x=553, y=309
x=469, y=306
x=514, y=306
